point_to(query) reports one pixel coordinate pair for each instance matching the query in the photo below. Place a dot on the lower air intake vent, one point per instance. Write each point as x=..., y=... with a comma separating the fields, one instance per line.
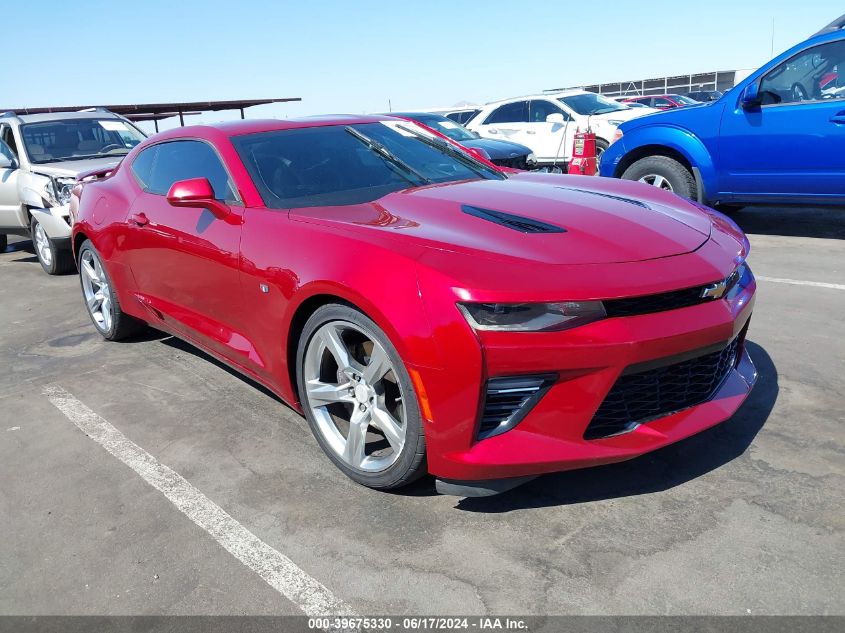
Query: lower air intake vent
x=641, y=396
x=515, y=222
x=508, y=400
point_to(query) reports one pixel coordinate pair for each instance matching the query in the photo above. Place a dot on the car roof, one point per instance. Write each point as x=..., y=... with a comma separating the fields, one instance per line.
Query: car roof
x=64, y=116
x=253, y=126
x=545, y=95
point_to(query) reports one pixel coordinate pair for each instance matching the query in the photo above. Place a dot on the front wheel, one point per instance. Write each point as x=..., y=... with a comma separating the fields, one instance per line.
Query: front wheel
x=100, y=298
x=359, y=399
x=54, y=260
x=664, y=173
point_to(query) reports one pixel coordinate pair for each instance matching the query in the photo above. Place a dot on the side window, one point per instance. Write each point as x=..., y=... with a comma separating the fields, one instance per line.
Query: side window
x=540, y=109
x=8, y=137
x=660, y=102
x=142, y=166
x=811, y=75
x=179, y=160
x=509, y=113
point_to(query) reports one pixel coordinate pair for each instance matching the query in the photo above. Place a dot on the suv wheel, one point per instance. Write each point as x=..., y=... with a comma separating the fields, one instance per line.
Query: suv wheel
x=663, y=172
x=54, y=260
x=359, y=400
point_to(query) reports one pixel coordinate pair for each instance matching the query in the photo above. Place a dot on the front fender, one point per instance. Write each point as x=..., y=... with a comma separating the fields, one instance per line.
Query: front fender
x=644, y=139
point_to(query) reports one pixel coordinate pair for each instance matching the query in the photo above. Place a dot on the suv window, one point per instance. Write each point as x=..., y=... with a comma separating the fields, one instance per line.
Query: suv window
x=660, y=102
x=540, y=109
x=516, y=112
x=8, y=137
x=179, y=160
x=462, y=117
x=811, y=75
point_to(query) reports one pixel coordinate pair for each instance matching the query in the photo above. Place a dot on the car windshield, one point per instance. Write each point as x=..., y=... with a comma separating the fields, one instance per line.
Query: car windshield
x=342, y=165
x=447, y=127
x=684, y=100
x=591, y=103
x=78, y=139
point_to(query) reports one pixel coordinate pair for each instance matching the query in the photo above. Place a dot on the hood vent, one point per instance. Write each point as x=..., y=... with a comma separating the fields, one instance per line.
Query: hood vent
x=639, y=203
x=515, y=222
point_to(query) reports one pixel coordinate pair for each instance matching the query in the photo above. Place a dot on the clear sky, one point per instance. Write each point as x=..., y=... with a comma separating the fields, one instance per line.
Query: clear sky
x=355, y=56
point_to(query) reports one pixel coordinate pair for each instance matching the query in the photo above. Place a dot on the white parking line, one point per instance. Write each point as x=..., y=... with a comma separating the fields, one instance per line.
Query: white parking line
x=277, y=570
x=799, y=282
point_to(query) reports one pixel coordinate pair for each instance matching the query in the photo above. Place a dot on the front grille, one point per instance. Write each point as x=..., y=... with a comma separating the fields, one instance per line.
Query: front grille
x=646, y=395
x=631, y=306
x=508, y=400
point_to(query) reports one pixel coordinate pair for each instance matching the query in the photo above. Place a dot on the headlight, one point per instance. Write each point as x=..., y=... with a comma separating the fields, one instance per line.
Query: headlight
x=57, y=190
x=531, y=317
x=616, y=136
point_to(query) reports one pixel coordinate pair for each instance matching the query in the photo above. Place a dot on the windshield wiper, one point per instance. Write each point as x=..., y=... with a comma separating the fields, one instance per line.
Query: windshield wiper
x=387, y=155
x=458, y=154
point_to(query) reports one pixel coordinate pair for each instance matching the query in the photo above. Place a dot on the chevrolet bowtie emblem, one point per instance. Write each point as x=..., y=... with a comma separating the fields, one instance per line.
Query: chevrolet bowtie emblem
x=714, y=291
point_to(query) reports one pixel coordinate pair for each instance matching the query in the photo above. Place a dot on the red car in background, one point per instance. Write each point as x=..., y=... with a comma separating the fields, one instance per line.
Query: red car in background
x=424, y=310
x=663, y=102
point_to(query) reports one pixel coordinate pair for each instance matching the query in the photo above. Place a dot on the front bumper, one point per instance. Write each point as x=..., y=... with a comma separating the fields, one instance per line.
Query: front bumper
x=588, y=361
x=55, y=221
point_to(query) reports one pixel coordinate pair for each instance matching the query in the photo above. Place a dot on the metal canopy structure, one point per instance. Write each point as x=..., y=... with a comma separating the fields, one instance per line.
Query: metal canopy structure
x=157, y=111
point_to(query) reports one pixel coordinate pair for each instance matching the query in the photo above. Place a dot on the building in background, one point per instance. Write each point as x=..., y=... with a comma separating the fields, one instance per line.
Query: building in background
x=679, y=84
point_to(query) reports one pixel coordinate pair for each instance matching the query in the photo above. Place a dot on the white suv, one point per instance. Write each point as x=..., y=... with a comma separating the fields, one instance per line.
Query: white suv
x=547, y=123
x=40, y=157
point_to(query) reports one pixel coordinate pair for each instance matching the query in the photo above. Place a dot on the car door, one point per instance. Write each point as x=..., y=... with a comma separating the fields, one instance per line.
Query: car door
x=10, y=203
x=185, y=261
x=553, y=140
x=509, y=122
x=791, y=145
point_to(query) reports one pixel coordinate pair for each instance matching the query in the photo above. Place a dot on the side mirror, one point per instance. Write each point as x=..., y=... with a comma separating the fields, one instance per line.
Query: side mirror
x=750, y=97
x=555, y=117
x=7, y=163
x=198, y=194
x=479, y=152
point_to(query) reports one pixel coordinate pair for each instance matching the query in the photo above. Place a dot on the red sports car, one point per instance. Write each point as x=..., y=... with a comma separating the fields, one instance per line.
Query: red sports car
x=424, y=310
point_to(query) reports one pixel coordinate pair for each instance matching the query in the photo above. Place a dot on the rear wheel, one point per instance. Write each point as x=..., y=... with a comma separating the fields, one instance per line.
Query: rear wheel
x=100, y=298
x=4, y=242
x=53, y=259
x=359, y=400
x=663, y=172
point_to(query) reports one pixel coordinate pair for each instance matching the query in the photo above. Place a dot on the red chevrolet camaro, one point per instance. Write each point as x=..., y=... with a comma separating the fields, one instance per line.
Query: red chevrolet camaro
x=424, y=310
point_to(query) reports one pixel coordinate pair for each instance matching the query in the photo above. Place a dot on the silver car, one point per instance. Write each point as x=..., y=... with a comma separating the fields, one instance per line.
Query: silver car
x=41, y=156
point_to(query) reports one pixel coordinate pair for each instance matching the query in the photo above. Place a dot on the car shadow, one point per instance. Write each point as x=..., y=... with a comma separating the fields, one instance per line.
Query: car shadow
x=824, y=222
x=663, y=469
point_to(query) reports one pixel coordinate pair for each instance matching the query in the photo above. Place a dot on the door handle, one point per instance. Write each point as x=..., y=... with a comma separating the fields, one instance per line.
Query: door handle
x=839, y=118
x=493, y=130
x=530, y=132
x=139, y=219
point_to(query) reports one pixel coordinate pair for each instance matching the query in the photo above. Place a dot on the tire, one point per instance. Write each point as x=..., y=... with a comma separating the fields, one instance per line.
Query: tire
x=110, y=321
x=663, y=172
x=4, y=242
x=341, y=395
x=601, y=145
x=54, y=260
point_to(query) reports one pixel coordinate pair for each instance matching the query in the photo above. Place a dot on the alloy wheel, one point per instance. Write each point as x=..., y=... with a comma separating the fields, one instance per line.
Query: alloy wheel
x=95, y=287
x=353, y=392
x=43, y=246
x=656, y=180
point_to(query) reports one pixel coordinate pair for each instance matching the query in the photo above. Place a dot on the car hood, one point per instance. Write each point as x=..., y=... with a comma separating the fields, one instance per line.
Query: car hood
x=682, y=117
x=602, y=222
x=620, y=115
x=70, y=168
x=498, y=149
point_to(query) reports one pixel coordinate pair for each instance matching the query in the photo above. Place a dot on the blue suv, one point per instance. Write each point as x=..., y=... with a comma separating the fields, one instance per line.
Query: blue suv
x=777, y=137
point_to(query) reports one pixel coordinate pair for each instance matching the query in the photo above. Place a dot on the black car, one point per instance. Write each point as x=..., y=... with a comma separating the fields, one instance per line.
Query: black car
x=502, y=153
x=705, y=95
